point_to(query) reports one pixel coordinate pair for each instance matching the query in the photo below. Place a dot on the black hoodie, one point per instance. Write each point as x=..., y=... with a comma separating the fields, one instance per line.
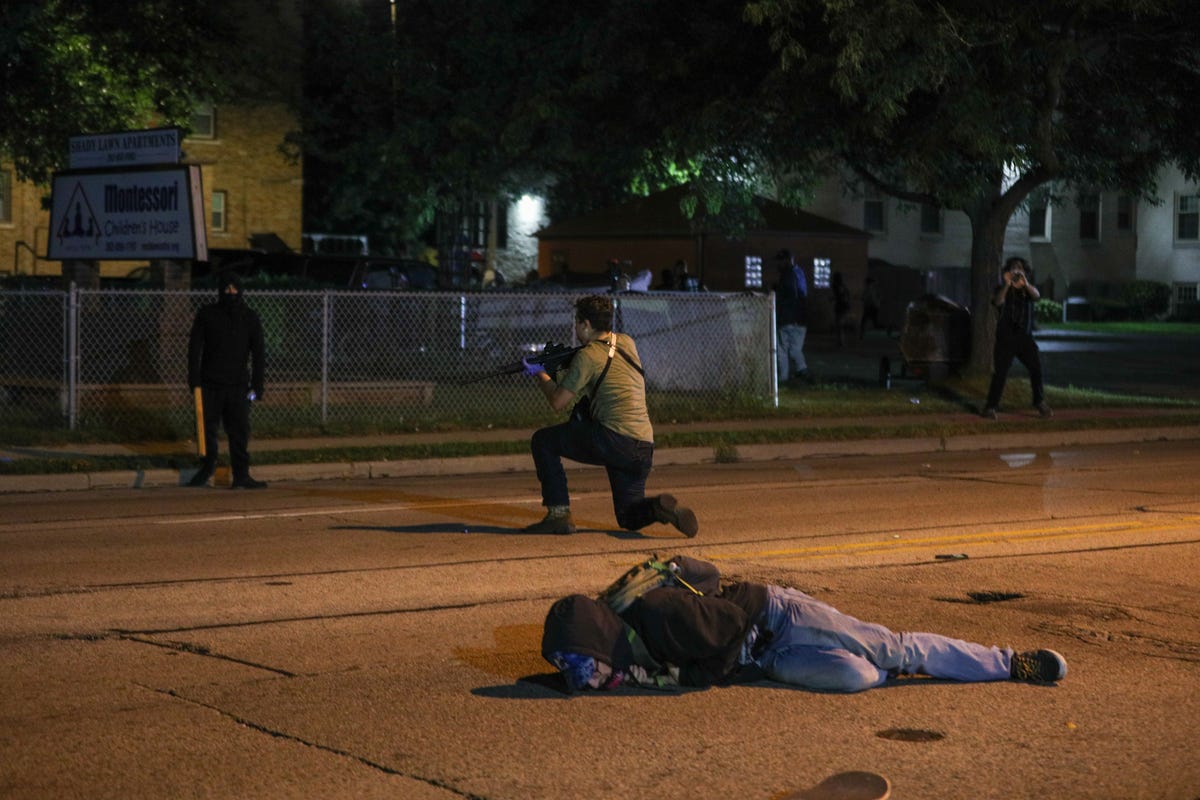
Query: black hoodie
x=701, y=635
x=225, y=335
x=580, y=624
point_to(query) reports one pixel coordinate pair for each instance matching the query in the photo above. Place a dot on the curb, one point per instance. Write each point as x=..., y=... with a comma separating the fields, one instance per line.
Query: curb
x=679, y=456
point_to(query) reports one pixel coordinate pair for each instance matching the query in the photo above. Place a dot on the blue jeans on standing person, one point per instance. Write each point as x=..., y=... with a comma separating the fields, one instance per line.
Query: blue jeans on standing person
x=818, y=647
x=791, y=349
x=626, y=460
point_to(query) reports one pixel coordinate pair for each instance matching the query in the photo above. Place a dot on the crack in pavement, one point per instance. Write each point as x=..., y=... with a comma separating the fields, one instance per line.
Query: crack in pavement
x=200, y=650
x=337, y=751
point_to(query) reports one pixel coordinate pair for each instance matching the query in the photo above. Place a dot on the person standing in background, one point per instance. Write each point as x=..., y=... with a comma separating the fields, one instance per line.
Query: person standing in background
x=791, y=318
x=1014, y=301
x=225, y=336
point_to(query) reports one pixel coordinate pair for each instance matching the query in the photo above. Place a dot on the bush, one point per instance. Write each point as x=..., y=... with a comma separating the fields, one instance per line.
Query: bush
x=1146, y=299
x=1048, y=311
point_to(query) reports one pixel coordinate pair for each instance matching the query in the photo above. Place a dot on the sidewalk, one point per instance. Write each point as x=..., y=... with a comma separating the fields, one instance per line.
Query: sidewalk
x=856, y=364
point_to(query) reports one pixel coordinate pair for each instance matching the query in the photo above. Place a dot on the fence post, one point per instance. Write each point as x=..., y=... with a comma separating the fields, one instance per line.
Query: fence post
x=773, y=369
x=72, y=355
x=325, y=327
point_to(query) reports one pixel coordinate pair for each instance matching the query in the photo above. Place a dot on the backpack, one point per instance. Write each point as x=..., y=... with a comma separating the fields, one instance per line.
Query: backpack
x=650, y=574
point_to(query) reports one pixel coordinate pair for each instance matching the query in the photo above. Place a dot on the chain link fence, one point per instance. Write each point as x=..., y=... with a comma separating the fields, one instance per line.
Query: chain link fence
x=340, y=362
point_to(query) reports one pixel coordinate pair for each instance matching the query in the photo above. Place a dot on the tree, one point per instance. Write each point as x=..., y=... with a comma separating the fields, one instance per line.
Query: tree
x=68, y=68
x=973, y=106
x=472, y=99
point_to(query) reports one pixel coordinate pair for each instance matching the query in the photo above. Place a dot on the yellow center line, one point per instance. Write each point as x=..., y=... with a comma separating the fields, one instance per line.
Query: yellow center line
x=997, y=537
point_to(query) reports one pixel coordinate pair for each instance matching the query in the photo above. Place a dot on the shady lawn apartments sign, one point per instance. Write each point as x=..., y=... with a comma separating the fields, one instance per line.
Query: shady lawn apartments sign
x=151, y=211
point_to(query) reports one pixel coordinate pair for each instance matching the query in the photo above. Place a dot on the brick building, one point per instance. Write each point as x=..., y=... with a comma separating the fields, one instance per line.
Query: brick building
x=251, y=189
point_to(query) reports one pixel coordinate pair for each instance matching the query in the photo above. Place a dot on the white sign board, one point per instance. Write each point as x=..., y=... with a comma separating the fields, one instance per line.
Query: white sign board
x=125, y=149
x=133, y=214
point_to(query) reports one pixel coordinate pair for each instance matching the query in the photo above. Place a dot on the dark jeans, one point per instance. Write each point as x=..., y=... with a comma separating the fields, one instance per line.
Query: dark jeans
x=627, y=461
x=1010, y=345
x=228, y=406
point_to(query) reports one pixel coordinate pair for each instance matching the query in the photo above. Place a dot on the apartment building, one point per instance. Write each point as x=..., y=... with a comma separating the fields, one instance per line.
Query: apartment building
x=252, y=190
x=1078, y=242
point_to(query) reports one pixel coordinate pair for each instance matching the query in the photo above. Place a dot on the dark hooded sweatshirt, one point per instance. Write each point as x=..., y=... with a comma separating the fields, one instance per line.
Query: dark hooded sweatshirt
x=225, y=336
x=701, y=635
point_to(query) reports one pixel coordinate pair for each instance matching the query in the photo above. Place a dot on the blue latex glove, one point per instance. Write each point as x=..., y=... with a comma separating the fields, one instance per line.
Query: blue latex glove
x=532, y=369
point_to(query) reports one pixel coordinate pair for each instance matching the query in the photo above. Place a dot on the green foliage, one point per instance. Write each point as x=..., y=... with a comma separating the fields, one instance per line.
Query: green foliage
x=1048, y=311
x=68, y=68
x=973, y=106
x=1146, y=299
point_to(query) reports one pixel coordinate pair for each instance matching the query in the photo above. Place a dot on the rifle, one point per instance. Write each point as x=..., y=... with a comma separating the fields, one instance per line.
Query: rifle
x=553, y=356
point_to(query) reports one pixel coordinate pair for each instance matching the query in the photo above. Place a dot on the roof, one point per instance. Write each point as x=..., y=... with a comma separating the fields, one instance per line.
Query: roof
x=659, y=216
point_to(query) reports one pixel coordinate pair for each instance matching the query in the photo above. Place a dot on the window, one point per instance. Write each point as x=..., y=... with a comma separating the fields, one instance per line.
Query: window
x=1039, y=215
x=754, y=275
x=204, y=122
x=1187, y=217
x=1185, y=293
x=218, y=211
x=1126, y=211
x=874, y=219
x=822, y=271
x=1089, y=217
x=5, y=196
x=931, y=220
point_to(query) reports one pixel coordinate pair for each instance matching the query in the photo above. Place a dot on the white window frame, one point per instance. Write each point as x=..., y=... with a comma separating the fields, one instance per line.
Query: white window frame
x=1040, y=205
x=754, y=272
x=204, y=122
x=1189, y=205
x=218, y=210
x=822, y=272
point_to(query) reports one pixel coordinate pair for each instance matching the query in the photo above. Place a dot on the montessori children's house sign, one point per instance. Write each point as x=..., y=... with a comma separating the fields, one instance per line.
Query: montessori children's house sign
x=133, y=213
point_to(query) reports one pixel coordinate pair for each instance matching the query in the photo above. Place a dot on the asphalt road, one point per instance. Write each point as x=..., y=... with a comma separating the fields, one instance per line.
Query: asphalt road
x=381, y=639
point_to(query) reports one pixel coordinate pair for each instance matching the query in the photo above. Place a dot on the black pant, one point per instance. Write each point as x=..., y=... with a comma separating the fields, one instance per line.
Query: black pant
x=229, y=406
x=1012, y=344
x=627, y=461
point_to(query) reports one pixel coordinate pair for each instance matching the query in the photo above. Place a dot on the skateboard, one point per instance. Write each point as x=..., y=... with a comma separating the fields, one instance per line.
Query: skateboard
x=855, y=785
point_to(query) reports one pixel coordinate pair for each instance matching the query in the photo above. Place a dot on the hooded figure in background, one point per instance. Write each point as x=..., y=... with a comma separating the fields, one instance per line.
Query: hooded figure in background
x=226, y=360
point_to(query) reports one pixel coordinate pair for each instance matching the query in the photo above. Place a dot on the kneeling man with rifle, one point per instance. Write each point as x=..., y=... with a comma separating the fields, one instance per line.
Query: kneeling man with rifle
x=609, y=426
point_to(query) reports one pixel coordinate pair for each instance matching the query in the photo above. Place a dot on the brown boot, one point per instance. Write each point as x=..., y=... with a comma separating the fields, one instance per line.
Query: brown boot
x=668, y=510
x=557, y=520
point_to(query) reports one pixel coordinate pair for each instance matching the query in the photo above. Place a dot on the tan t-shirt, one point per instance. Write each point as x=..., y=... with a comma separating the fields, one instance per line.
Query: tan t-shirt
x=620, y=402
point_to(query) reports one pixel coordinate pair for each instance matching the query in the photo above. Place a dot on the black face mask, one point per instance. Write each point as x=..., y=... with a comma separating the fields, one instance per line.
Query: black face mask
x=230, y=299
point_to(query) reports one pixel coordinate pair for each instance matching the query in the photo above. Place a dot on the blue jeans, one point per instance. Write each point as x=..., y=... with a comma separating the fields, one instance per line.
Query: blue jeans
x=626, y=460
x=818, y=647
x=791, y=349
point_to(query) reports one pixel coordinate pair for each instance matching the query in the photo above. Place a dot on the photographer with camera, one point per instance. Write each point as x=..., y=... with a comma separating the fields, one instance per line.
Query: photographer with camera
x=609, y=426
x=1014, y=299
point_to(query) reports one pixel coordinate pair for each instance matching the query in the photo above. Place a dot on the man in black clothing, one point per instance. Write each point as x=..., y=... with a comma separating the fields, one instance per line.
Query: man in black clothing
x=1014, y=300
x=225, y=335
